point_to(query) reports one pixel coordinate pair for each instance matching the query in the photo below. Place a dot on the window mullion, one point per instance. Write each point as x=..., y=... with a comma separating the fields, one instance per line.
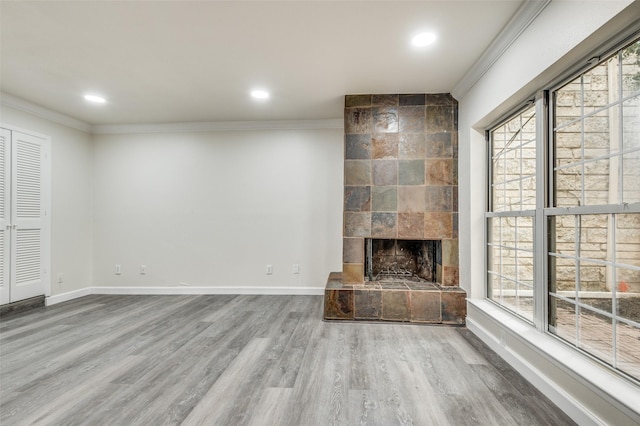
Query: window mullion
x=539, y=241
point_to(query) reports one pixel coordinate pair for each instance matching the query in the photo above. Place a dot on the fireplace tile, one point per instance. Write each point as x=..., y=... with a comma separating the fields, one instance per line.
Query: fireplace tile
x=411, y=172
x=384, y=100
x=353, y=250
x=439, y=198
x=357, y=224
x=384, y=225
x=393, y=285
x=335, y=280
x=440, y=99
x=384, y=198
x=338, y=304
x=412, y=146
x=426, y=306
x=353, y=273
x=450, y=252
x=454, y=144
x=358, y=147
x=437, y=225
x=454, y=232
x=439, y=145
x=368, y=304
x=454, y=200
x=454, y=306
x=385, y=120
x=450, y=276
x=412, y=99
x=357, y=198
x=454, y=173
x=395, y=305
x=357, y=172
x=411, y=199
x=357, y=120
x=439, y=171
x=385, y=172
x=411, y=225
x=440, y=119
x=384, y=146
x=357, y=100
x=412, y=119
x=422, y=286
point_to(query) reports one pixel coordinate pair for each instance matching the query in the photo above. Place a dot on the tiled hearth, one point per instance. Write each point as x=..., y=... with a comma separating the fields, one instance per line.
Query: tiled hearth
x=416, y=302
x=401, y=186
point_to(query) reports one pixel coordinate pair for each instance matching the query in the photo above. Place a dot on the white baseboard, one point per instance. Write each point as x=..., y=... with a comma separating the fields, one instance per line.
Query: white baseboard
x=178, y=290
x=65, y=297
x=579, y=386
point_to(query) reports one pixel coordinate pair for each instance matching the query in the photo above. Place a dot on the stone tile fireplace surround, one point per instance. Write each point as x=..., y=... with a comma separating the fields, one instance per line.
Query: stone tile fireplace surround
x=400, y=185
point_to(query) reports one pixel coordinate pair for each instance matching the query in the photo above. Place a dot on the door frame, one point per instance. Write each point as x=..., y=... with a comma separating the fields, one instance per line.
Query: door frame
x=46, y=202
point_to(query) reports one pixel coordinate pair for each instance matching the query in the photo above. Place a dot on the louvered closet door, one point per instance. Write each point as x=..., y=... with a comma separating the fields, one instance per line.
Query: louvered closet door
x=27, y=216
x=5, y=214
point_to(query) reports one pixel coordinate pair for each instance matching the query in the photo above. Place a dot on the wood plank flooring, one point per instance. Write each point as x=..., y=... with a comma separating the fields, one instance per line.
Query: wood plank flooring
x=249, y=360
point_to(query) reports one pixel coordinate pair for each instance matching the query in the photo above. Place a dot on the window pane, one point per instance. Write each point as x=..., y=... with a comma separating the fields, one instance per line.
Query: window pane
x=595, y=334
x=631, y=177
x=514, y=163
x=631, y=69
x=597, y=183
x=627, y=354
x=568, y=104
x=631, y=123
x=595, y=90
x=562, y=319
x=569, y=186
x=510, y=263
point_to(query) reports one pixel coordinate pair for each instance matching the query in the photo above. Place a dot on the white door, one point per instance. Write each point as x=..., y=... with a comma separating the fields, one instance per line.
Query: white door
x=5, y=215
x=23, y=230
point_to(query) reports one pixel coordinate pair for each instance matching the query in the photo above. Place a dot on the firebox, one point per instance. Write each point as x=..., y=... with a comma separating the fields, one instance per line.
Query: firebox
x=403, y=260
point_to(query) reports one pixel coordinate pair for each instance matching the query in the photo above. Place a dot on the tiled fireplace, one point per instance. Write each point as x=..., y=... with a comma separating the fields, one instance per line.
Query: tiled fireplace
x=400, y=231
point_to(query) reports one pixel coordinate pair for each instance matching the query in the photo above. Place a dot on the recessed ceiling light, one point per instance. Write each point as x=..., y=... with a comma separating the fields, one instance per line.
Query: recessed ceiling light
x=95, y=98
x=260, y=94
x=423, y=39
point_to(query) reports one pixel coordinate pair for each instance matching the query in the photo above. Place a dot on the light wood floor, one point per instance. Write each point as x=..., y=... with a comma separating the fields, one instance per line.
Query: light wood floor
x=249, y=360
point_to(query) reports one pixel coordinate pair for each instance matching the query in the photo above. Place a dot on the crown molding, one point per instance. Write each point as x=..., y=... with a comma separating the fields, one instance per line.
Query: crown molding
x=20, y=104
x=523, y=17
x=42, y=112
x=217, y=126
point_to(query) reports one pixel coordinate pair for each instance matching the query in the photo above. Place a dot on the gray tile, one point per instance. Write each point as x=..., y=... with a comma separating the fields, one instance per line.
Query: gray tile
x=385, y=172
x=357, y=198
x=384, y=225
x=384, y=198
x=358, y=147
x=411, y=172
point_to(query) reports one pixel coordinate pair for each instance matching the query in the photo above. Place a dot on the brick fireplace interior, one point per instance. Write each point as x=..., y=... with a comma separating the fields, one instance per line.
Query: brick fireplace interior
x=400, y=228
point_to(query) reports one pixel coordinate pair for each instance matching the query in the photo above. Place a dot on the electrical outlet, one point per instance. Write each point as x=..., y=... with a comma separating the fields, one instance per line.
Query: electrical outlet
x=118, y=270
x=269, y=269
x=296, y=268
x=143, y=269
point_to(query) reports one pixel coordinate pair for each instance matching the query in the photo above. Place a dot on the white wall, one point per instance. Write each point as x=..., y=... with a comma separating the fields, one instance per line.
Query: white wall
x=71, y=156
x=212, y=209
x=562, y=33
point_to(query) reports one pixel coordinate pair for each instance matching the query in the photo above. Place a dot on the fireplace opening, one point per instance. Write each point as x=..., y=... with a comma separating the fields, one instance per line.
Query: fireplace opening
x=403, y=260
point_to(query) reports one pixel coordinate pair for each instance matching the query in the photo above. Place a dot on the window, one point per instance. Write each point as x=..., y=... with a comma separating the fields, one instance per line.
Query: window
x=588, y=208
x=594, y=224
x=510, y=222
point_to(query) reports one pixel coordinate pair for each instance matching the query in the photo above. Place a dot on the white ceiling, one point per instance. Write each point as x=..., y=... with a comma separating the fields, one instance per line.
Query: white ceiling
x=195, y=61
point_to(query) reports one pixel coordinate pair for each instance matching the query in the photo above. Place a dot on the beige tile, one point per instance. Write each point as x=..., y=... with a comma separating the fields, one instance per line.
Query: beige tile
x=411, y=199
